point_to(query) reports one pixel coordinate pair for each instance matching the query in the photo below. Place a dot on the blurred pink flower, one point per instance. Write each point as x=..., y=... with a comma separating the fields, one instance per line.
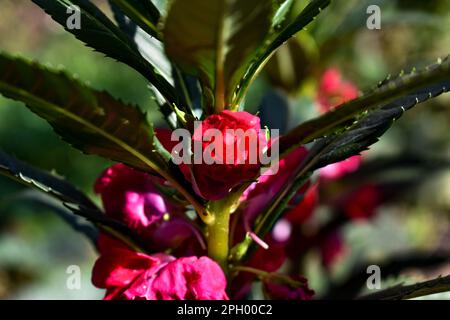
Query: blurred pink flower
x=339, y=169
x=333, y=90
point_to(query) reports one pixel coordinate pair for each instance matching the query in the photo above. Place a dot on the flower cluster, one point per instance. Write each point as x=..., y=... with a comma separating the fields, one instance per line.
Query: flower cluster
x=171, y=261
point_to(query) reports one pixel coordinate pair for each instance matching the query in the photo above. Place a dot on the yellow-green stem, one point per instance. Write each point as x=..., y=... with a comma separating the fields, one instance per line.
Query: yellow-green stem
x=218, y=232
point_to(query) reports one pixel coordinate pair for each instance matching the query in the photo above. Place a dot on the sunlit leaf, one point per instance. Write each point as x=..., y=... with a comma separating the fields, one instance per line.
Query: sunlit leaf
x=142, y=12
x=215, y=40
x=311, y=11
x=100, y=33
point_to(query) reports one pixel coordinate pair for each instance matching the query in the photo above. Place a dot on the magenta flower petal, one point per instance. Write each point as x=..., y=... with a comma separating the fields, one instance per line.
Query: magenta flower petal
x=127, y=274
x=190, y=278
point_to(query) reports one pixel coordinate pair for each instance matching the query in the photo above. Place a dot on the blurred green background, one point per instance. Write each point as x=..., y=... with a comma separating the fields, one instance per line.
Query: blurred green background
x=36, y=246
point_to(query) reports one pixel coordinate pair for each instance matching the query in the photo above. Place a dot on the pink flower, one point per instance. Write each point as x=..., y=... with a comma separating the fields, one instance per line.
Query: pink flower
x=130, y=275
x=130, y=196
x=214, y=181
x=339, y=169
x=133, y=198
x=276, y=290
x=333, y=90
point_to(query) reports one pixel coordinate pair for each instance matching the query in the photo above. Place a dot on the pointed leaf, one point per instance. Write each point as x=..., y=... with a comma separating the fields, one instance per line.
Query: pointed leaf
x=124, y=23
x=49, y=183
x=63, y=191
x=98, y=32
x=308, y=14
x=339, y=147
x=142, y=12
x=215, y=40
x=368, y=130
x=90, y=120
x=283, y=9
x=419, y=289
x=409, y=87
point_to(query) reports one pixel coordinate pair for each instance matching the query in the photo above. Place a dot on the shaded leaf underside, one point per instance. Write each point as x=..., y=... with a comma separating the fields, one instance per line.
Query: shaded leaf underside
x=72, y=198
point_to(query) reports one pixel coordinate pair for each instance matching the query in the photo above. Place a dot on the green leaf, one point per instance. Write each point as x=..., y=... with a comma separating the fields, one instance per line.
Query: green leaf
x=343, y=116
x=357, y=138
x=76, y=221
x=215, y=40
x=367, y=130
x=98, y=32
x=126, y=25
x=72, y=198
x=90, y=120
x=46, y=182
x=404, y=292
x=143, y=13
x=308, y=14
x=283, y=9
x=341, y=146
x=93, y=121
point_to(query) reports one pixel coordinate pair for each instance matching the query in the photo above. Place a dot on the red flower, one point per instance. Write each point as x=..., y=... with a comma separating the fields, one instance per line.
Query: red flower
x=334, y=91
x=130, y=275
x=214, y=181
x=277, y=290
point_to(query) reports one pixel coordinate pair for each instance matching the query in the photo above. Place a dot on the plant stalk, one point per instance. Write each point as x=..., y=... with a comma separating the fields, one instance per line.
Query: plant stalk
x=218, y=233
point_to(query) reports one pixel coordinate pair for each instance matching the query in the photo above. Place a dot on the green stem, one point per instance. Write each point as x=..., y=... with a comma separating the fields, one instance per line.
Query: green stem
x=218, y=232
